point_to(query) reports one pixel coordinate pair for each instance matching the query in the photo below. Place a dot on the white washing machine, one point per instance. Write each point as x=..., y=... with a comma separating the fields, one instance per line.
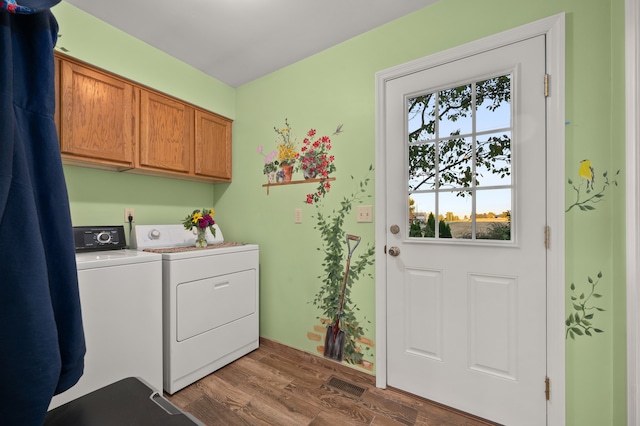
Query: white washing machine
x=121, y=302
x=210, y=301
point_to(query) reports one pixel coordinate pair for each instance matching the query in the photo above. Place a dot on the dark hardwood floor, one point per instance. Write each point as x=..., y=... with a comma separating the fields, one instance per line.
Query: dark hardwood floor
x=279, y=385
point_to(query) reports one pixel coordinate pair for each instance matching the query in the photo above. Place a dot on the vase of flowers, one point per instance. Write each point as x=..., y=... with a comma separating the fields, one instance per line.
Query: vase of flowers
x=201, y=220
x=287, y=152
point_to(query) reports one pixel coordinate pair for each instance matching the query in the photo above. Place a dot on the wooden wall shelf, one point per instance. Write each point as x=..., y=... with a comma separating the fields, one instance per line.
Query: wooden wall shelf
x=294, y=182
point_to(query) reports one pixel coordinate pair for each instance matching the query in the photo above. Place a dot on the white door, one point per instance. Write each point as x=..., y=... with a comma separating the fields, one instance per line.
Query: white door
x=466, y=277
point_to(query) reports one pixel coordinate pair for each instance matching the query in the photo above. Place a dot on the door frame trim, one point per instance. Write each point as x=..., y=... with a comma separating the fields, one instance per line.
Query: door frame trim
x=553, y=28
x=632, y=128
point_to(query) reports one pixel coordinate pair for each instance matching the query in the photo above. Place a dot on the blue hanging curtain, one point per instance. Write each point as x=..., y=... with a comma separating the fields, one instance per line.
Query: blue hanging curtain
x=41, y=339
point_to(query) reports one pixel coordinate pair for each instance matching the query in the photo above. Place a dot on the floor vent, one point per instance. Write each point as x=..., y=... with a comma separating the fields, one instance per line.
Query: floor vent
x=345, y=388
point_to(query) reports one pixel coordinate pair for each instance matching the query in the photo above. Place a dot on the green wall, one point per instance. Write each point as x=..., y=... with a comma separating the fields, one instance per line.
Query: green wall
x=337, y=87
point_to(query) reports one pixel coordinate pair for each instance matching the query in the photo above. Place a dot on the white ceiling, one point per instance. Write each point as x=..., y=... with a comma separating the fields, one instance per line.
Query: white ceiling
x=237, y=41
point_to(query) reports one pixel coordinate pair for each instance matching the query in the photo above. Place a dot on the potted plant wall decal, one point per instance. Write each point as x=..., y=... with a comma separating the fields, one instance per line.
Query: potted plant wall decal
x=270, y=164
x=334, y=246
x=316, y=162
x=287, y=151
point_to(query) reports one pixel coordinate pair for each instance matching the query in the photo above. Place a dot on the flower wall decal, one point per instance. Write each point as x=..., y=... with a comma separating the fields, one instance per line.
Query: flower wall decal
x=287, y=145
x=312, y=158
x=316, y=162
x=270, y=163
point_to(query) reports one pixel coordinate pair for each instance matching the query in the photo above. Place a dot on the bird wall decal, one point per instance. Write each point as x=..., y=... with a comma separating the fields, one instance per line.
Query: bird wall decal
x=586, y=172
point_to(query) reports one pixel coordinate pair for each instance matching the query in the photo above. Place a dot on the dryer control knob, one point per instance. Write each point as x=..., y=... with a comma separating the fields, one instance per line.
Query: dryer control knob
x=103, y=238
x=154, y=234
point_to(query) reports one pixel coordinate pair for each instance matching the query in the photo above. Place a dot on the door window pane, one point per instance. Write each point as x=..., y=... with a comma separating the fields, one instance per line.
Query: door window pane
x=421, y=113
x=454, y=111
x=455, y=163
x=493, y=159
x=493, y=217
x=422, y=171
x=455, y=210
x=493, y=104
x=422, y=207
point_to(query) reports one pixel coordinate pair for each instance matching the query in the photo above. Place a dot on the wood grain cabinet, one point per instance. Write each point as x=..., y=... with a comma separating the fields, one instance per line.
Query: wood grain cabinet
x=212, y=146
x=108, y=122
x=98, y=117
x=166, y=134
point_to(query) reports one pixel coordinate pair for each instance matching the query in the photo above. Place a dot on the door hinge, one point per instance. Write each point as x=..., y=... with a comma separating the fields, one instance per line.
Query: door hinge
x=547, y=237
x=547, y=388
x=546, y=85
x=385, y=249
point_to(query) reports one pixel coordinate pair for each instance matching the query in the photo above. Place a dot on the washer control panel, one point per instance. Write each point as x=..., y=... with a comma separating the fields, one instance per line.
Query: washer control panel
x=92, y=238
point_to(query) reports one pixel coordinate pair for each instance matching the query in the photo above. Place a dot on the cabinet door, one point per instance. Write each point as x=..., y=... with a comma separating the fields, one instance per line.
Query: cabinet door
x=98, y=117
x=166, y=133
x=213, y=146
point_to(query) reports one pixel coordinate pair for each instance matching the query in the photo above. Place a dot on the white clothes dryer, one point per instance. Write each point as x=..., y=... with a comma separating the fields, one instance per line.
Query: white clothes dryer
x=210, y=301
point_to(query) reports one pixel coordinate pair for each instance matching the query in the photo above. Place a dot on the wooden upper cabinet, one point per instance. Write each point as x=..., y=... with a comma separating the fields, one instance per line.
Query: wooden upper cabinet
x=106, y=121
x=166, y=133
x=98, y=117
x=212, y=146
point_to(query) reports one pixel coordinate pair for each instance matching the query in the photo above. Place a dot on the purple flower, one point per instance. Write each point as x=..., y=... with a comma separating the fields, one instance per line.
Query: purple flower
x=206, y=220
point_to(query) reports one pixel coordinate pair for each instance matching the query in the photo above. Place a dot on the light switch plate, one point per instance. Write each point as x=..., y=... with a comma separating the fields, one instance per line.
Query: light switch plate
x=365, y=214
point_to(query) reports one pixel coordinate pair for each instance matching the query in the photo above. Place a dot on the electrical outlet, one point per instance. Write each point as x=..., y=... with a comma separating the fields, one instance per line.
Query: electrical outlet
x=365, y=214
x=298, y=215
x=129, y=212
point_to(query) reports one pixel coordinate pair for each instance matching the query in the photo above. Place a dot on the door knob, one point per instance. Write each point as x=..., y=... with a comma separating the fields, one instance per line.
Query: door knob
x=394, y=251
x=394, y=229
